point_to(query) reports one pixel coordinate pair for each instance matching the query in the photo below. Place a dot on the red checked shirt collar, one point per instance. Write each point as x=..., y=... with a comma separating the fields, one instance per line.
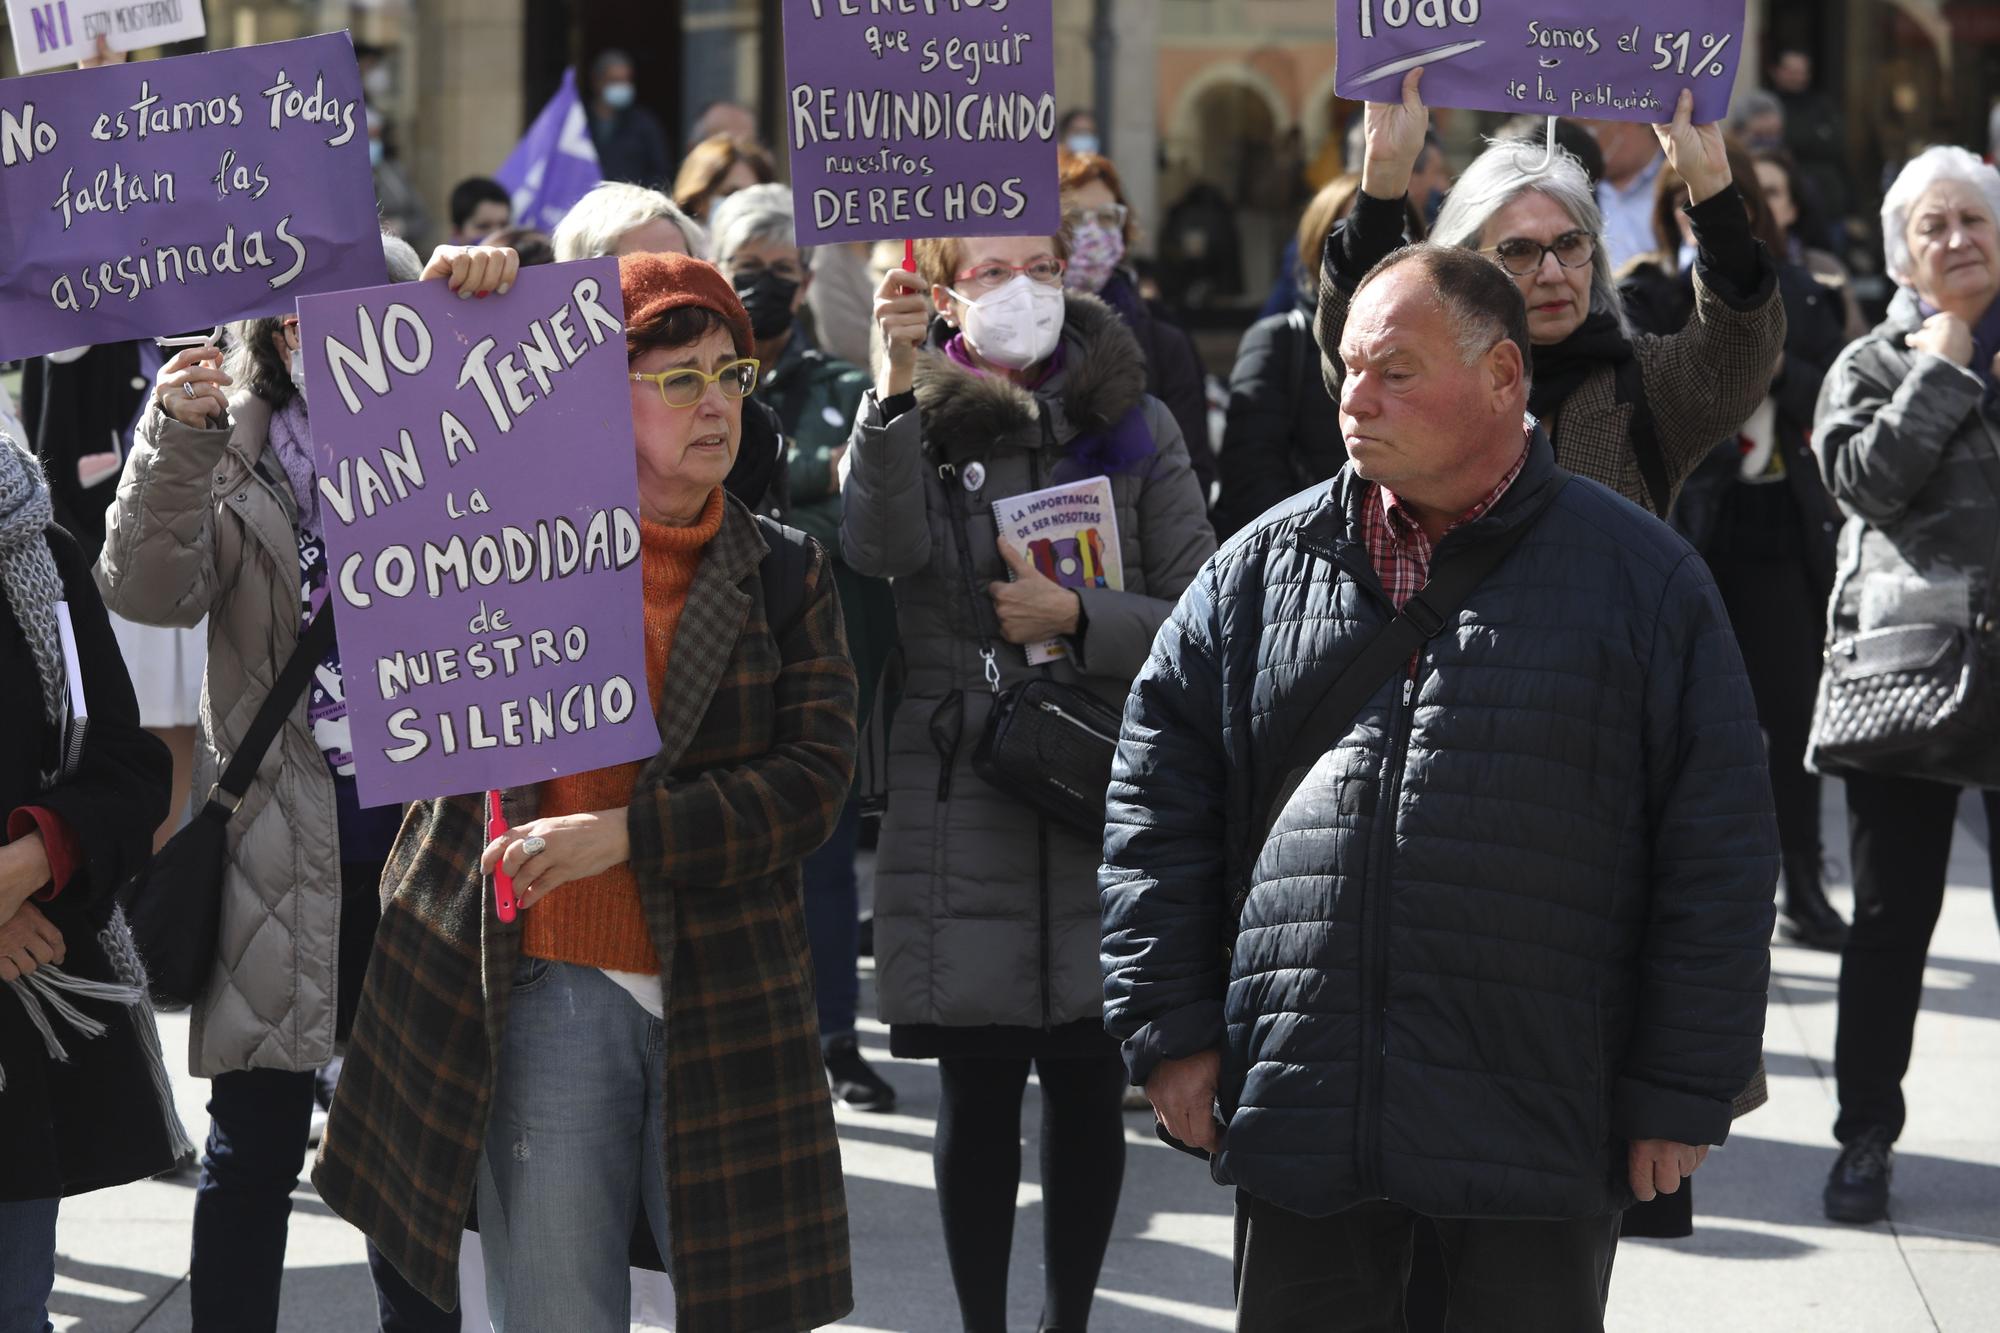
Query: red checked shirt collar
x=1397, y=544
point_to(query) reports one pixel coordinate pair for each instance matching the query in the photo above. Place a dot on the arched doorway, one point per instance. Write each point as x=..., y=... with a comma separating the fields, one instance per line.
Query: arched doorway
x=1222, y=230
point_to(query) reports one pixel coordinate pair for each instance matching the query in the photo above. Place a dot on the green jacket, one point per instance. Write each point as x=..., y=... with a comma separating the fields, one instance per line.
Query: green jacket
x=817, y=399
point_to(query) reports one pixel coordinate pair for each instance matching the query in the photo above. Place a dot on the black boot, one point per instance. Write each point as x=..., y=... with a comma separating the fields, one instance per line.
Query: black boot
x=855, y=1083
x=1858, y=1188
x=1808, y=918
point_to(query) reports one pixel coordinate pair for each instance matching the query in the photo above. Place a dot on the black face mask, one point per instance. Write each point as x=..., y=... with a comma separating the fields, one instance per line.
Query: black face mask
x=767, y=299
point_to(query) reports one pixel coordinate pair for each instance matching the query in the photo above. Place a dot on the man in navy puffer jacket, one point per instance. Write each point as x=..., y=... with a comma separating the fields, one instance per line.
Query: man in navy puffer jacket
x=1502, y=960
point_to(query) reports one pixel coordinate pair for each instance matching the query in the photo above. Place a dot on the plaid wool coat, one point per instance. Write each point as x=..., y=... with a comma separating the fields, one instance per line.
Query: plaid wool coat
x=756, y=753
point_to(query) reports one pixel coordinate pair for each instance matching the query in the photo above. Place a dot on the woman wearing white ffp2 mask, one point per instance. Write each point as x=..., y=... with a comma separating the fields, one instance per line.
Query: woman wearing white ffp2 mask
x=987, y=921
x=1014, y=318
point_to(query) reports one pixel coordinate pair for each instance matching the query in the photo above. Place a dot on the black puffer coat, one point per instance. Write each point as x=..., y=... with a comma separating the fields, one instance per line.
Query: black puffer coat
x=1283, y=431
x=1501, y=929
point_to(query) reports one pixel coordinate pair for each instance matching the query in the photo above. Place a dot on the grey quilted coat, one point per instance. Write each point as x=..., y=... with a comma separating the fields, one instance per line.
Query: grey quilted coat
x=205, y=525
x=970, y=930
x=1517, y=916
x=1909, y=444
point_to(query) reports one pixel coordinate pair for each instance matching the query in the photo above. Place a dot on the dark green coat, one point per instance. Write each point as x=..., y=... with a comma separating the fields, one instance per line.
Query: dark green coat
x=756, y=754
x=817, y=398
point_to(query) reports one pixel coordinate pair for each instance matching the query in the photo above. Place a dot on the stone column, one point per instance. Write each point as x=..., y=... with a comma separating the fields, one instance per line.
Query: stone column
x=468, y=110
x=1134, y=131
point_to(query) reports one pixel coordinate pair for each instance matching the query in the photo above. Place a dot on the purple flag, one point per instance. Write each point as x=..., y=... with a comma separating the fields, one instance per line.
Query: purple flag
x=555, y=164
x=479, y=490
x=176, y=194
x=937, y=123
x=1617, y=61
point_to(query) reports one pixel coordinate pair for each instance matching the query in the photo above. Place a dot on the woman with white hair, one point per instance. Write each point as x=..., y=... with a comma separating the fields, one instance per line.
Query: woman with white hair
x=1634, y=412
x=1908, y=437
x=618, y=219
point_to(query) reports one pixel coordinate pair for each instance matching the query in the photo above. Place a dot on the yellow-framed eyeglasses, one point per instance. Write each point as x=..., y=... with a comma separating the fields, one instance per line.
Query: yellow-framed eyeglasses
x=685, y=386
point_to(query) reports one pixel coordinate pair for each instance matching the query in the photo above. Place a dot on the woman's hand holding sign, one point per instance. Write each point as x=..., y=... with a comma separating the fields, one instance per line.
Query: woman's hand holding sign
x=903, y=318
x=1393, y=139
x=474, y=270
x=190, y=387
x=1695, y=151
x=545, y=854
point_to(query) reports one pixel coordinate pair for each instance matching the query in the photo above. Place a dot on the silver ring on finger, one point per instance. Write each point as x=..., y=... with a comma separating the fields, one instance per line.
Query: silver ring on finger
x=533, y=847
x=187, y=387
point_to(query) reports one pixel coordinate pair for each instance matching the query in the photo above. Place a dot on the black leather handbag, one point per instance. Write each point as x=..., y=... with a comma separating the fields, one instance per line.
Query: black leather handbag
x=1904, y=688
x=1047, y=744
x=174, y=906
x=1050, y=745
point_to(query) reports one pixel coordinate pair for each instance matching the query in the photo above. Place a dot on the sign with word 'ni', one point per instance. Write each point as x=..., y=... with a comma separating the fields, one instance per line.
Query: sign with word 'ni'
x=911, y=118
x=1603, y=61
x=49, y=34
x=479, y=493
x=176, y=194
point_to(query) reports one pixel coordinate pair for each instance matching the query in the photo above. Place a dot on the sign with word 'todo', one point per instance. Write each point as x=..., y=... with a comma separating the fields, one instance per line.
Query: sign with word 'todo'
x=1601, y=61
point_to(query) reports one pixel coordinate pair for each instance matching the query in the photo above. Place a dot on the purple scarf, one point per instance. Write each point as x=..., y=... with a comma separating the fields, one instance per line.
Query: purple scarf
x=291, y=440
x=1120, y=447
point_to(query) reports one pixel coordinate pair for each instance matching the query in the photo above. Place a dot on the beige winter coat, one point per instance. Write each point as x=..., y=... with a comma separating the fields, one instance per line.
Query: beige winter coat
x=201, y=529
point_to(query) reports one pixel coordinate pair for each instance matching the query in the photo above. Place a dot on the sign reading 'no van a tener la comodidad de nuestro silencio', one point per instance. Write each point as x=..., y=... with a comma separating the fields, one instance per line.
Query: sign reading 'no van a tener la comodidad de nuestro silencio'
x=479, y=494
x=911, y=118
x=1605, y=61
x=175, y=194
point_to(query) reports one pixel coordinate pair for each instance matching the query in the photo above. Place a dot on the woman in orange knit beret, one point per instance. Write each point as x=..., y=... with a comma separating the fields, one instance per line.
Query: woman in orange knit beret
x=640, y=1044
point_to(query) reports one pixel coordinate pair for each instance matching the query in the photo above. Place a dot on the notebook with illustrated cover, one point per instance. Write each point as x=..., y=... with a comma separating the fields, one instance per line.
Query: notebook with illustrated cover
x=1071, y=533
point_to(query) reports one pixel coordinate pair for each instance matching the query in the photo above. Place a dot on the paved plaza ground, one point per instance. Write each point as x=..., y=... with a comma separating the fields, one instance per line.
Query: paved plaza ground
x=1762, y=1260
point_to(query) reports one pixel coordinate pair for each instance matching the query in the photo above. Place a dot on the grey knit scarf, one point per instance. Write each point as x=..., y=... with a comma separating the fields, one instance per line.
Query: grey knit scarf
x=28, y=569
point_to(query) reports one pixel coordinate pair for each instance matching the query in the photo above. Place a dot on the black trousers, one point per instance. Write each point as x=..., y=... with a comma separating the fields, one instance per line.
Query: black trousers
x=1346, y=1273
x=977, y=1157
x=1779, y=618
x=259, y=1121
x=1900, y=833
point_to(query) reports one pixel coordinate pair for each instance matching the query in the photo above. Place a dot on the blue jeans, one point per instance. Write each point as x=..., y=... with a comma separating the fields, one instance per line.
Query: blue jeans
x=833, y=925
x=574, y=1148
x=27, y=1264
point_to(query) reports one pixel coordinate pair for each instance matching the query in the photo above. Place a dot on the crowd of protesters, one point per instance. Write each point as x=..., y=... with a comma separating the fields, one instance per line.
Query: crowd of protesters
x=1565, y=525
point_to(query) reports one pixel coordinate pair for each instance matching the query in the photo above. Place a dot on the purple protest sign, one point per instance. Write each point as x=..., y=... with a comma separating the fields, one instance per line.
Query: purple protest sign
x=479, y=491
x=937, y=119
x=1616, y=61
x=176, y=194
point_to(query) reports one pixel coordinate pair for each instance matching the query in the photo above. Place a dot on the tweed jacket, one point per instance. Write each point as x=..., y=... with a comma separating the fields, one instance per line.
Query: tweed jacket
x=756, y=753
x=1701, y=383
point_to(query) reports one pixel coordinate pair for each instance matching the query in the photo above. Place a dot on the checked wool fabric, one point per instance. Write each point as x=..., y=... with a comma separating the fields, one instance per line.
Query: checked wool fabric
x=756, y=755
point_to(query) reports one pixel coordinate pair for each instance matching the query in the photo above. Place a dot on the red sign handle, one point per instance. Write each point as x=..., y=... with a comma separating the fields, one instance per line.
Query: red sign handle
x=503, y=883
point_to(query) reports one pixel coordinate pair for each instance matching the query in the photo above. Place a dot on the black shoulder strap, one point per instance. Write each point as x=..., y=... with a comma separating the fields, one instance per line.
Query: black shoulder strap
x=277, y=706
x=1422, y=619
x=1631, y=390
x=783, y=572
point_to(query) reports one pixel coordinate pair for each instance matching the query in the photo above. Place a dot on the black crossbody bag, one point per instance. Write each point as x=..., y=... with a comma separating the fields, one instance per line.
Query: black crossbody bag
x=1422, y=619
x=174, y=906
x=1046, y=743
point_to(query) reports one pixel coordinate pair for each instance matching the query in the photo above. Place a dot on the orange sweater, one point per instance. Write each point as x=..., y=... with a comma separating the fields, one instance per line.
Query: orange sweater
x=599, y=922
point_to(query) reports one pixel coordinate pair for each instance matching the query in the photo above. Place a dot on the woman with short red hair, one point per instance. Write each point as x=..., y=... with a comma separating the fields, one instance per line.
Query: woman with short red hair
x=1101, y=230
